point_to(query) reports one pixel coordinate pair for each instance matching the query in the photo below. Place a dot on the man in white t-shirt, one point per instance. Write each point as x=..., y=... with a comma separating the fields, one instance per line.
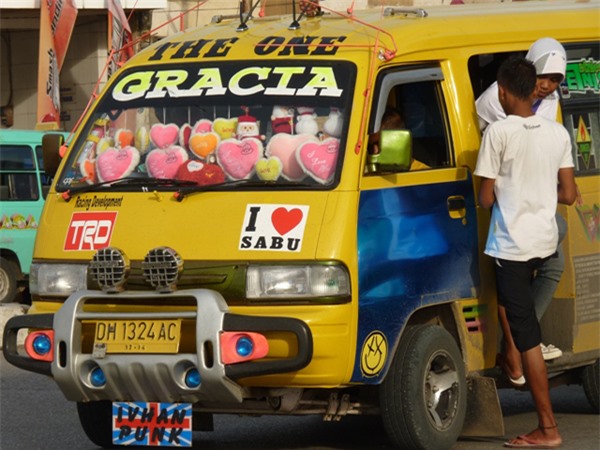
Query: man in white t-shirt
x=550, y=60
x=520, y=160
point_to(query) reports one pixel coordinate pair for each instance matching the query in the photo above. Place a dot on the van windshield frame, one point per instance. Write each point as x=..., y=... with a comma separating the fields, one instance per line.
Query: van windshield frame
x=278, y=124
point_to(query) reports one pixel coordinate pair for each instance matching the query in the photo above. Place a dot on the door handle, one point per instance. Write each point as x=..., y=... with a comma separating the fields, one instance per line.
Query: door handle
x=457, y=208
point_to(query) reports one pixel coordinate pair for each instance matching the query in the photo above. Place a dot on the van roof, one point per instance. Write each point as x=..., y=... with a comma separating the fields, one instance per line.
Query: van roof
x=16, y=136
x=439, y=28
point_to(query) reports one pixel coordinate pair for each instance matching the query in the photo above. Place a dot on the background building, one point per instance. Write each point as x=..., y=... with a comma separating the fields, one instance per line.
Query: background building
x=87, y=54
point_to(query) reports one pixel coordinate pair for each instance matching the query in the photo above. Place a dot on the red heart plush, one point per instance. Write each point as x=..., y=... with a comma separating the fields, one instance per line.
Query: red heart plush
x=318, y=159
x=283, y=146
x=184, y=135
x=116, y=163
x=164, y=135
x=237, y=158
x=200, y=173
x=164, y=163
x=202, y=126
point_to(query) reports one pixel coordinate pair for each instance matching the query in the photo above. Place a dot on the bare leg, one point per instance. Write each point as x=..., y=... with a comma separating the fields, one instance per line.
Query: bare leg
x=512, y=356
x=537, y=378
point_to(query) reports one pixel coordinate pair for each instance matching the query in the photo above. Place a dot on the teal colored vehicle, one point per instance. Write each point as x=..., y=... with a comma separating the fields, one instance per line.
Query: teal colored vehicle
x=23, y=189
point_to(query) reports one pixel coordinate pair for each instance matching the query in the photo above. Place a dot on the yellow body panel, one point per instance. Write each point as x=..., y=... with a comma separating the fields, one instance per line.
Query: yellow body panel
x=208, y=227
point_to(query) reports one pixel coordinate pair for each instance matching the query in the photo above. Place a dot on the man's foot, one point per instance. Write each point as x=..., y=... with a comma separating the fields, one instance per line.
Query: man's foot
x=517, y=380
x=550, y=352
x=541, y=437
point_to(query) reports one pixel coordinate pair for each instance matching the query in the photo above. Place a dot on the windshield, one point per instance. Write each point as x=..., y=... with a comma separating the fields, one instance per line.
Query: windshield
x=232, y=126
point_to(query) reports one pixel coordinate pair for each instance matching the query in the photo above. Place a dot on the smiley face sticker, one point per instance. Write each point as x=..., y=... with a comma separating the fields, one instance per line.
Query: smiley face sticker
x=374, y=353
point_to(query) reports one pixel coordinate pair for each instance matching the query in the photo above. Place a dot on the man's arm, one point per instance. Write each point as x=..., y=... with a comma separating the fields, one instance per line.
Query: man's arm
x=567, y=189
x=486, y=192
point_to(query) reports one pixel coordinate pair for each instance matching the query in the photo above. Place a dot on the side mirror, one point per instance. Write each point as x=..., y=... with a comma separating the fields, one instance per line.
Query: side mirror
x=395, y=152
x=51, y=144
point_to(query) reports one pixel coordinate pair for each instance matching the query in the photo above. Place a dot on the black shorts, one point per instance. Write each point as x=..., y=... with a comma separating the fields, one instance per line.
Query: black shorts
x=513, y=279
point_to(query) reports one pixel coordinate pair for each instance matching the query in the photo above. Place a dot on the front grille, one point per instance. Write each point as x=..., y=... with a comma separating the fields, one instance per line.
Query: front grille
x=109, y=268
x=161, y=268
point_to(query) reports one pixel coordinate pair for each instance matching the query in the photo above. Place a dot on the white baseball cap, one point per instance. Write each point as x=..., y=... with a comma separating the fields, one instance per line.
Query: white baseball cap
x=548, y=56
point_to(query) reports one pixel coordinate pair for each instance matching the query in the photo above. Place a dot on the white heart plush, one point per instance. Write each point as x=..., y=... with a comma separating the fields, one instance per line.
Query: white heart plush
x=318, y=159
x=164, y=163
x=283, y=146
x=116, y=163
x=237, y=158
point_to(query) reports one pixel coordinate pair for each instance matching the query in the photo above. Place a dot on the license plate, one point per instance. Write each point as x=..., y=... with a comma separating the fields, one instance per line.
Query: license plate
x=152, y=424
x=138, y=336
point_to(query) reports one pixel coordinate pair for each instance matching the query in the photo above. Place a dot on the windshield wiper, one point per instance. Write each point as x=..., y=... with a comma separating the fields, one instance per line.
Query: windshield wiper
x=193, y=189
x=145, y=183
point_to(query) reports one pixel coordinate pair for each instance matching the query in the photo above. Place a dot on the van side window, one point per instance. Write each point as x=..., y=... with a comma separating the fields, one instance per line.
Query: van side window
x=417, y=96
x=18, y=173
x=579, y=98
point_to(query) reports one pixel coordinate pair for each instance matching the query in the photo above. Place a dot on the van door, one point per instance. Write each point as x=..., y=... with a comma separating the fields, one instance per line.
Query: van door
x=417, y=229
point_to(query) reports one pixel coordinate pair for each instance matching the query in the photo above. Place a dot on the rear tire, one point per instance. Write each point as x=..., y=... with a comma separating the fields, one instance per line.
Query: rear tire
x=96, y=421
x=590, y=379
x=423, y=398
x=8, y=280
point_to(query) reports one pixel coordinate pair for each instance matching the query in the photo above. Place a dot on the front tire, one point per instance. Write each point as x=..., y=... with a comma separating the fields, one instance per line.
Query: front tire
x=96, y=421
x=8, y=280
x=590, y=379
x=423, y=398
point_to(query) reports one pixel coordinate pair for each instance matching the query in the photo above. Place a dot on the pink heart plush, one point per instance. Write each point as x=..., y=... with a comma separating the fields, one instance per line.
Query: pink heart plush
x=202, y=126
x=237, y=158
x=163, y=163
x=318, y=159
x=164, y=135
x=283, y=146
x=116, y=163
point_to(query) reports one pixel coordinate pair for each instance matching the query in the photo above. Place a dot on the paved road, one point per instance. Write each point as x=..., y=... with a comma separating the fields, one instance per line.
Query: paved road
x=34, y=415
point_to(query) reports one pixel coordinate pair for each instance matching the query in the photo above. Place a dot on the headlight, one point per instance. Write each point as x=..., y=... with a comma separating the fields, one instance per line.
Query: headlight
x=57, y=279
x=297, y=281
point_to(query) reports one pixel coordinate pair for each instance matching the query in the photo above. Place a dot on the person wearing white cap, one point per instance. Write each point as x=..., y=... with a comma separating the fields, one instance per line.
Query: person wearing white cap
x=550, y=60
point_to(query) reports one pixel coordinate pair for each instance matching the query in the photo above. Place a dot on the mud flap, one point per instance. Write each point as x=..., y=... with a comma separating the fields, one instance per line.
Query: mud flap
x=484, y=414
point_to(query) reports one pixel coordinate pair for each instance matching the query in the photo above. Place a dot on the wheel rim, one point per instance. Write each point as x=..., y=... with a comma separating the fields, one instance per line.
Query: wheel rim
x=440, y=390
x=4, y=284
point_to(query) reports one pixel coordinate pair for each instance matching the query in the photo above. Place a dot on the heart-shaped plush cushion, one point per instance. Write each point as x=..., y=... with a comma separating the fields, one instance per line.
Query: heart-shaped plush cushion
x=163, y=136
x=116, y=163
x=283, y=146
x=268, y=169
x=184, y=135
x=318, y=159
x=201, y=173
x=87, y=167
x=142, y=139
x=225, y=128
x=104, y=144
x=203, y=144
x=124, y=137
x=237, y=158
x=164, y=163
x=202, y=126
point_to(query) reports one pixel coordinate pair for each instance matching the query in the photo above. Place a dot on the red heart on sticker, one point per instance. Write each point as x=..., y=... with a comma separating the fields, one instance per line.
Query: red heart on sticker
x=285, y=221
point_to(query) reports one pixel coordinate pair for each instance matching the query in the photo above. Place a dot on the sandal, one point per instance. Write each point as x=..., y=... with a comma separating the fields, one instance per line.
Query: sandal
x=527, y=442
